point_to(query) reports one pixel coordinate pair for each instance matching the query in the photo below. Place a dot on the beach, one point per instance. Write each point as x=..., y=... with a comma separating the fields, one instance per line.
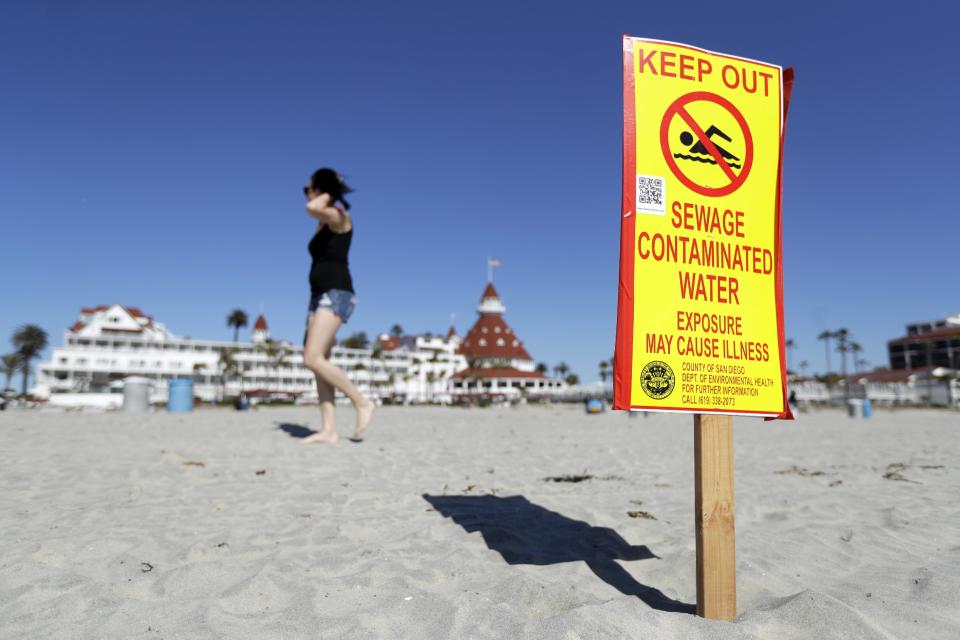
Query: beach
x=526, y=522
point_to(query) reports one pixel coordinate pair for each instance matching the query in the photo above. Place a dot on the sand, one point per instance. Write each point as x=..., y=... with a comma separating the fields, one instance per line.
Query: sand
x=219, y=524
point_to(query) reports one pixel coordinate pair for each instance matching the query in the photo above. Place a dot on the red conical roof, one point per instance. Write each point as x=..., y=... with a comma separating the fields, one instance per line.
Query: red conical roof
x=261, y=324
x=490, y=292
x=491, y=338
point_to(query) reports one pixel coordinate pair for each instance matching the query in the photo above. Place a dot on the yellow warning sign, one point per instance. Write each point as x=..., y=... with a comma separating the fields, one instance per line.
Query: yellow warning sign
x=700, y=314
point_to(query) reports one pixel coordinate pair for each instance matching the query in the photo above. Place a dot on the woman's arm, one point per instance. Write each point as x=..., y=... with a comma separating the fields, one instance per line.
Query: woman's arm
x=334, y=217
x=321, y=209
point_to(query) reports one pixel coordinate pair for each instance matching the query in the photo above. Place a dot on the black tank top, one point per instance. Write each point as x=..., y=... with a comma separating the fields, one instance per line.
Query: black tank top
x=330, y=269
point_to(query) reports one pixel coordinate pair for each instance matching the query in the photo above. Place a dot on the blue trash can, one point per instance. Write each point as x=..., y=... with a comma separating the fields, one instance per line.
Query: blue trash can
x=594, y=406
x=867, y=409
x=180, y=396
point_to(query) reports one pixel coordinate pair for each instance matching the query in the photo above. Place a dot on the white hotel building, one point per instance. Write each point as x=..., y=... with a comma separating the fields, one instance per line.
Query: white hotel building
x=110, y=343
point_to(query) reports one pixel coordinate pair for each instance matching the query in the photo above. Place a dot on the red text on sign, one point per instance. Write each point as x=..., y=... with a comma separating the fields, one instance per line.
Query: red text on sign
x=671, y=65
x=709, y=287
x=706, y=218
x=709, y=323
x=739, y=77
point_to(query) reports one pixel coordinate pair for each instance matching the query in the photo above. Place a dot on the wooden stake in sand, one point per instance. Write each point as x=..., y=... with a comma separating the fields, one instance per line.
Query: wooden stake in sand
x=716, y=536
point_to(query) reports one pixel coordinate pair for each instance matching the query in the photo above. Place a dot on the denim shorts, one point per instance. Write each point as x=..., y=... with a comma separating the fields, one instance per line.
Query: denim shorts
x=336, y=301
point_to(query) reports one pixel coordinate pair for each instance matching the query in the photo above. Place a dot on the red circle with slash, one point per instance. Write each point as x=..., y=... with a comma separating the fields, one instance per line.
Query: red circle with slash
x=678, y=108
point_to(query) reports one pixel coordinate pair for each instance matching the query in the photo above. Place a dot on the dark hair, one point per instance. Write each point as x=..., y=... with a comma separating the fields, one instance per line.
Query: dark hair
x=329, y=181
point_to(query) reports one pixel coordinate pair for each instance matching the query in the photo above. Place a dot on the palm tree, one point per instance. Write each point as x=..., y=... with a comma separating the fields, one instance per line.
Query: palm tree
x=603, y=370
x=855, y=348
x=237, y=319
x=790, y=344
x=10, y=364
x=542, y=368
x=843, y=347
x=228, y=367
x=358, y=340
x=572, y=379
x=561, y=369
x=396, y=331
x=279, y=358
x=826, y=336
x=29, y=340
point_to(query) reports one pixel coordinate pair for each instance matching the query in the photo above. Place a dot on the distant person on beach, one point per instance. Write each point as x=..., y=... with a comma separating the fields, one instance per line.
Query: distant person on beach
x=332, y=300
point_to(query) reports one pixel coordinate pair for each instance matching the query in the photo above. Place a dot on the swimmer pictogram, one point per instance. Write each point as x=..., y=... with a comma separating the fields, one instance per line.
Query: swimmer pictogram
x=707, y=145
x=699, y=153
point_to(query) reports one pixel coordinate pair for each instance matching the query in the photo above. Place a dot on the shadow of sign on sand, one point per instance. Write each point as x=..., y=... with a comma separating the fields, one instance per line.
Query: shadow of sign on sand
x=526, y=533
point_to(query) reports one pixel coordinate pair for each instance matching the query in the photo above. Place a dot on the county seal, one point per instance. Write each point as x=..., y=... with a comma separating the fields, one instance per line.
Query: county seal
x=657, y=379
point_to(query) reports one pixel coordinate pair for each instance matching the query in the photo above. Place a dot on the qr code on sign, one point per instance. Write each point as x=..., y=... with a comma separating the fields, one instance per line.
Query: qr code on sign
x=651, y=195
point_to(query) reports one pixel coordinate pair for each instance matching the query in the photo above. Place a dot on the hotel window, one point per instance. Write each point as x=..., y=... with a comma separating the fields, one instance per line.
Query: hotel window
x=81, y=361
x=500, y=342
x=483, y=342
x=496, y=329
x=63, y=360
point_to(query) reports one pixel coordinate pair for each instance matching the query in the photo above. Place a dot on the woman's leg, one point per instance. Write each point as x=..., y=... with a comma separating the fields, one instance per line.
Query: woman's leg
x=320, y=334
x=328, y=410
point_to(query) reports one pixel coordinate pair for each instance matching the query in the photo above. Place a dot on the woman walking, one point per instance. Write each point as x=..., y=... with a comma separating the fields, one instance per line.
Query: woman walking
x=332, y=300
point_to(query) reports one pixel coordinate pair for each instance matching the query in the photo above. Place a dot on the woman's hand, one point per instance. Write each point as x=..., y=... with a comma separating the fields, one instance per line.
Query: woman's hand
x=317, y=207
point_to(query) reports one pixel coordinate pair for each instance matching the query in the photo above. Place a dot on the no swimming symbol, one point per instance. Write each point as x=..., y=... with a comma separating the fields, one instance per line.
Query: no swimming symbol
x=698, y=145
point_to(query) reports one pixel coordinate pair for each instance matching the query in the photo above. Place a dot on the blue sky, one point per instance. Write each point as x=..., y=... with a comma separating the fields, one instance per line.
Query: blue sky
x=153, y=155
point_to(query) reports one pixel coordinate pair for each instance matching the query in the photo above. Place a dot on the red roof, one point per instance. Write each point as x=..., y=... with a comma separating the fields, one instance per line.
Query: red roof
x=943, y=332
x=890, y=375
x=496, y=372
x=100, y=307
x=136, y=313
x=492, y=338
x=261, y=324
x=77, y=326
x=389, y=343
x=133, y=311
x=490, y=292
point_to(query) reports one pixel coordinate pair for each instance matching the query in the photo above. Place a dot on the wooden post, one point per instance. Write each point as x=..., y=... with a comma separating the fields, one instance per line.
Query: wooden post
x=716, y=538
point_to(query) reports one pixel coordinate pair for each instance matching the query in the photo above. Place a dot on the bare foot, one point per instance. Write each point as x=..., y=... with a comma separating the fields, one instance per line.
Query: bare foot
x=364, y=415
x=321, y=437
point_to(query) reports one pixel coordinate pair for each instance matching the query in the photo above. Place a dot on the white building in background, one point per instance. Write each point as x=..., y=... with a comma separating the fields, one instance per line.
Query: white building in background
x=111, y=342
x=434, y=362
